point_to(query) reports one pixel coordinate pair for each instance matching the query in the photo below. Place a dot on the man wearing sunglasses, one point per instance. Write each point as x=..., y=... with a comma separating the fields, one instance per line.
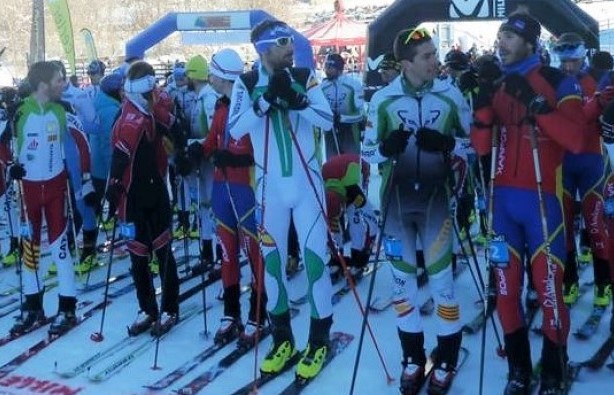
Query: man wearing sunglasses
x=388, y=68
x=539, y=115
x=279, y=106
x=584, y=174
x=410, y=130
x=346, y=97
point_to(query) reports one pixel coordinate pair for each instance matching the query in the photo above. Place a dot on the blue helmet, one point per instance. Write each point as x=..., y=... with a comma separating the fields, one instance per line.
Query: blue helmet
x=112, y=83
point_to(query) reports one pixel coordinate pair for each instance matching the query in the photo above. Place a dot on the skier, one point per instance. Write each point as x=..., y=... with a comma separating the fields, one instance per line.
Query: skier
x=107, y=105
x=137, y=187
x=202, y=172
x=420, y=197
x=346, y=97
x=233, y=205
x=584, y=174
x=95, y=71
x=8, y=206
x=456, y=63
x=78, y=165
x=278, y=105
x=607, y=131
x=547, y=108
x=41, y=129
x=388, y=68
x=346, y=178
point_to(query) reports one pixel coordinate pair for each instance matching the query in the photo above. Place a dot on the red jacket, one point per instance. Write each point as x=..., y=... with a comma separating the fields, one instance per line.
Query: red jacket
x=562, y=129
x=132, y=126
x=216, y=141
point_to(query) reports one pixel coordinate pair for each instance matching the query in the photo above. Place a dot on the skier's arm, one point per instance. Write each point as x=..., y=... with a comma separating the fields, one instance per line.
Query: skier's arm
x=358, y=96
x=376, y=124
x=567, y=124
x=83, y=148
x=318, y=111
x=243, y=118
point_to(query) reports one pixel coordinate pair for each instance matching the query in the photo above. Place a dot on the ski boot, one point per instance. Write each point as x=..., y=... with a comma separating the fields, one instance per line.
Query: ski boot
x=86, y=264
x=108, y=224
x=27, y=321
x=164, y=324
x=11, y=258
x=445, y=368
x=229, y=329
x=414, y=361
x=62, y=323
x=142, y=323
x=585, y=256
x=412, y=378
x=247, y=338
x=317, y=349
x=571, y=293
x=282, y=349
x=553, y=375
x=603, y=295
x=66, y=318
x=154, y=265
x=518, y=382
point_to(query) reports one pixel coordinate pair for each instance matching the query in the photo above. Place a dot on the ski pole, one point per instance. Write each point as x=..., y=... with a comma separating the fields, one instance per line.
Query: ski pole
x=98, y=336
x=202, y=271
x=341, y=258
x=265, y=172
x=185, y=225
x=546, y=236
x=490, y=233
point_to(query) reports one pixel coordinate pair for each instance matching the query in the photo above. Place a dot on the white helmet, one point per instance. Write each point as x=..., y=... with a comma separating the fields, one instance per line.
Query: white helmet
x=226, y=64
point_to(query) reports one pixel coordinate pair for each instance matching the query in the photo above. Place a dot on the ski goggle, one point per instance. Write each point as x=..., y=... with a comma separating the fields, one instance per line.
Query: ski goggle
x=570, y=51
x=417, y=34
x=279, y=41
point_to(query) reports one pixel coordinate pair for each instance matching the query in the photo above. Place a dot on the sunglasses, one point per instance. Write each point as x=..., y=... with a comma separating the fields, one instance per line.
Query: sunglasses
x=417, y=34
x=279, y=41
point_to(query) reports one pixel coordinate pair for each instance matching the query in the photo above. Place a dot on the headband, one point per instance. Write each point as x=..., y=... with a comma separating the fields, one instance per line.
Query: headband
x=140, y=85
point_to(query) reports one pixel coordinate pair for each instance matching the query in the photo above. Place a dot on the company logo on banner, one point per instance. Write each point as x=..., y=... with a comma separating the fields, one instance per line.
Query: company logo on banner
x=213, y=21
x=467, y=9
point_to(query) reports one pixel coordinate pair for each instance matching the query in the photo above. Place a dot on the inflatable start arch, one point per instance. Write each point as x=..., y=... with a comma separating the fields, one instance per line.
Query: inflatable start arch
x=221, y=22
x=557, y=16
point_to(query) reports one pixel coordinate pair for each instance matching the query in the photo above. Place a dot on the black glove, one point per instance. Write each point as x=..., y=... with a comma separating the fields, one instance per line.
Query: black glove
x=280, y=85
x=396, y=142
x=431, y=140
x=182, y=165
x=225, y=158
x=17, y=171
x=195, y=152
x=179, y=133
x=518, y=87
x=114, y=192
x=467, y=82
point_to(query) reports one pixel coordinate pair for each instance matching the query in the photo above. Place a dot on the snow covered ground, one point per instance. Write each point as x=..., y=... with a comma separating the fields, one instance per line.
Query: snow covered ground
x=37, y=374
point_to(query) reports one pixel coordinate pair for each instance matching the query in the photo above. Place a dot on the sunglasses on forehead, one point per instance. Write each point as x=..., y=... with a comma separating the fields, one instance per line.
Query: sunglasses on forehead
x=279, y=41
x=417, y=34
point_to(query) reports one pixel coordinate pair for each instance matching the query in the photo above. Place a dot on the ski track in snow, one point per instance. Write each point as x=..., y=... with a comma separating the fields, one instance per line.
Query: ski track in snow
x=36, y=376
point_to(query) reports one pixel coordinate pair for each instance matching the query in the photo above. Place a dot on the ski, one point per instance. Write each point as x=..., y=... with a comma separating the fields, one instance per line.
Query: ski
x=600, y=356
x=338, y=343
x=146, y=342
x=39, y=324
x=590, y=326
x=41, y=345
x=573, y=370
x=102, y=283
x=205, y=378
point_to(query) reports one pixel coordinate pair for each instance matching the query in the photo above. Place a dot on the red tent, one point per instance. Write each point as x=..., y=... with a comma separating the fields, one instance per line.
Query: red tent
x=337, y=32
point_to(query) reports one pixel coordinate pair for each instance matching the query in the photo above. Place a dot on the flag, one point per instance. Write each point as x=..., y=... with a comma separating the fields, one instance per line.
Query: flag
x=61, y=16
x=90, y=46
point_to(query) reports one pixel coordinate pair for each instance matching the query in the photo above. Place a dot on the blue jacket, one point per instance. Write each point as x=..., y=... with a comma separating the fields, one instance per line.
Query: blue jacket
x=107, y=108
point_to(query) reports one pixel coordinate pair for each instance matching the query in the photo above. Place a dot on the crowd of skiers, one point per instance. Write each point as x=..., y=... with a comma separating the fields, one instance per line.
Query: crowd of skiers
x=505, y=143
